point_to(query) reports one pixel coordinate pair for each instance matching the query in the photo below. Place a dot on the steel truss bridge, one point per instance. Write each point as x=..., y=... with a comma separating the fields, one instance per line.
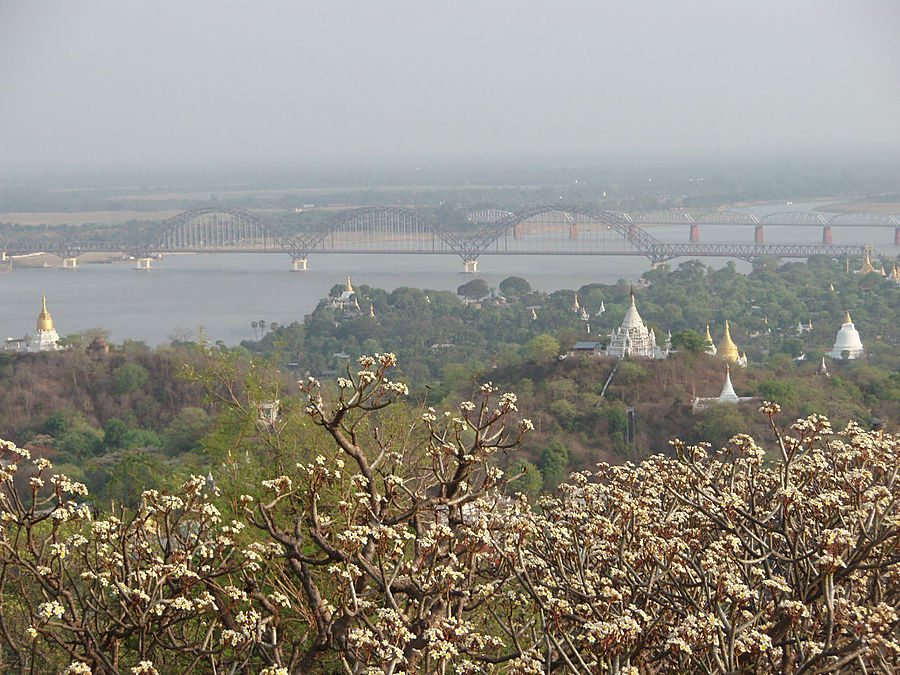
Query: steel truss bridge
x=547, y=230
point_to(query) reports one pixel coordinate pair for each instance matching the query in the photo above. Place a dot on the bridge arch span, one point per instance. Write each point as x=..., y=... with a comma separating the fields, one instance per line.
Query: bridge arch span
x=794, y=218
x=218, y=229
x=373, y=228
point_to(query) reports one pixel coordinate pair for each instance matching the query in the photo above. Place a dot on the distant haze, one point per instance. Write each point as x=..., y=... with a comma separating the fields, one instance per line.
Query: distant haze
x=207, y=81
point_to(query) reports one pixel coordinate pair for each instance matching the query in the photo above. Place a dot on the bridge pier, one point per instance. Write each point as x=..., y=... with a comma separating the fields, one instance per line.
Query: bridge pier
x=897, y=236
x=826, y=234
x=573, y=232
x=470, y=266
x=758, y=236
x=695, y=233
x=298, y=265
x=70, y=262
x=143, y=263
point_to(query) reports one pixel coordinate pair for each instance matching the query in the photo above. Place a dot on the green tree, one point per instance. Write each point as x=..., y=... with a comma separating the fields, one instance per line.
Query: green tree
x=529, y=483
x=542, y=349
x=129, y=377
x=515, y=287
x=554, y=464
x=690, y=340
x=474, y=290
x=185, y=431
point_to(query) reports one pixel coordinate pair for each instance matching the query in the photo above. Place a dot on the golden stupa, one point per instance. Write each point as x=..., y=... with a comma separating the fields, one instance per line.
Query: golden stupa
x=575, y=305
x=45, y=321
x=727, y=349
x=709, y=339
x=867, y=267
x=349, y=288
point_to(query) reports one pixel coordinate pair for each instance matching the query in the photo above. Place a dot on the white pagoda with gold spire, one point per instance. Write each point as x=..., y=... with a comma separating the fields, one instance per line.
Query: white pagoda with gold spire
x=46, y=337
x=633, y=338
x=847, y=342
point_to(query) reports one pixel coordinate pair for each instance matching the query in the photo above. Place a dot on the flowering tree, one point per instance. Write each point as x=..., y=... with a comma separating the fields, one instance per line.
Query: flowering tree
x=716, y=562
x=387, y=535
x=162, y=588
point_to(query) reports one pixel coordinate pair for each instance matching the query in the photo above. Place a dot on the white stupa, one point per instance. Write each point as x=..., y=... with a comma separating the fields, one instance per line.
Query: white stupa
x=728, y=395
x=46, y=337
x=847, y=341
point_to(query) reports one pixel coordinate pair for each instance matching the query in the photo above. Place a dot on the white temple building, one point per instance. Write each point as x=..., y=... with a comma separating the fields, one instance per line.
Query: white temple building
x=847, y=341
x=46, y=337
x=633, y=338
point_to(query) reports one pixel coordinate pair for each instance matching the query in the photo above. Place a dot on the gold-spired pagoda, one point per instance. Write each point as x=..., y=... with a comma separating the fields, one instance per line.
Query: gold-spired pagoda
x=867, y=267
x=729, y=351
x=46, y=337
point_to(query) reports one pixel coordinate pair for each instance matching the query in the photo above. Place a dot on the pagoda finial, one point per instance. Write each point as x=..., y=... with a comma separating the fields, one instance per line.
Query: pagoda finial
x=847, y=318
x=575, y=305
x=349, y=288
x=372, y=310
x=728, y=350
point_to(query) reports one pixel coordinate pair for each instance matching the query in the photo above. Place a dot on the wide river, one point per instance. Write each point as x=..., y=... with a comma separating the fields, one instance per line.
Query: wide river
x=224, y=293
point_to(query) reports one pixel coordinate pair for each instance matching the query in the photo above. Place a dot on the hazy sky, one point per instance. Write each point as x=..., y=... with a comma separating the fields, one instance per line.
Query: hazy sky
x=197, y=81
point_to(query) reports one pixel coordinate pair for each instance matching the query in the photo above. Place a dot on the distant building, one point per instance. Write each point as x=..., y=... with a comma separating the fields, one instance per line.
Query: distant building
x=46, y=337
x=586, y=348
x=348, y=301
x=847, y=344
x=633, y=338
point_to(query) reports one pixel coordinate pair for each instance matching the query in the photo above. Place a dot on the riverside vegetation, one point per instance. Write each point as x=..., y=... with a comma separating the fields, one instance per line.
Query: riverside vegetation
x=128, y=419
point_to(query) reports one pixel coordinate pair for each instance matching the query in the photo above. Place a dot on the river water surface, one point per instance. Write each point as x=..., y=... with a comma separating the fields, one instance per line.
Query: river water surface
x=224, y=293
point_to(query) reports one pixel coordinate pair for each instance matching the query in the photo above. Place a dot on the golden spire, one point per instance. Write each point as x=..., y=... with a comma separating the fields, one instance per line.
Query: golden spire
x=847, y=318
x=533, y=313
x=830, y=287
x=372, y=310
x=576, y=306
x=867, y=267
x=709, y=339
x=727, y=349
x=349, y=288
x=44, y=322
x=809, y=325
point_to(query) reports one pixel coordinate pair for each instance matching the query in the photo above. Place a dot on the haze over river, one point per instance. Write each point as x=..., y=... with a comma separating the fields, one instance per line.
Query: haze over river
x=223, y=293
